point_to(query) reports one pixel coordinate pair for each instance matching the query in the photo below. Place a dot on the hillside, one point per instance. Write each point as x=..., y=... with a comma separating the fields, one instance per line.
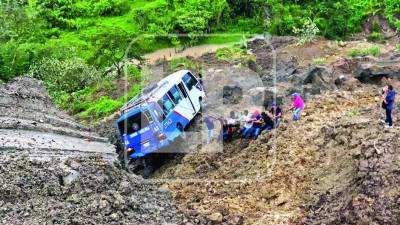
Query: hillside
x=76, y=46
x=67, y=67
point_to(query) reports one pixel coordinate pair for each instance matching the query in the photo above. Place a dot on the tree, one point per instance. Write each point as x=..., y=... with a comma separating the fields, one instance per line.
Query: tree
x=111, y=47
x=20, y=29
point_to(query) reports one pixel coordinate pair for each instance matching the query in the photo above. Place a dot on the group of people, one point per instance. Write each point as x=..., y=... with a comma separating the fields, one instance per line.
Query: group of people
x=251, y=125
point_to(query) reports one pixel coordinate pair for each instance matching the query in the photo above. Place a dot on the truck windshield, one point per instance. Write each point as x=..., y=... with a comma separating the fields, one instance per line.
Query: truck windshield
x=133, y=123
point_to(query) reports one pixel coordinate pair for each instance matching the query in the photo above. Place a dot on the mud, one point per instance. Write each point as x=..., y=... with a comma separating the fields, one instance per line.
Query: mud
x=337, y=165
x=79, y=191
x=55, y=171
x=31, y=123
x=314, y=171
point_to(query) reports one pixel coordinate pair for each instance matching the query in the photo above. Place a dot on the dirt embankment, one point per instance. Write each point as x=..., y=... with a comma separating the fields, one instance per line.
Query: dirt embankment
x=337, y=165
x=55, y=171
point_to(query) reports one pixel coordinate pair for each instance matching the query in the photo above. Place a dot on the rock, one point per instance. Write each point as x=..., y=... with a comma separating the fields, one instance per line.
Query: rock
x=232, y=94
x=71, y=177
x=215, y=217
x=236, y=220
x=319, y=76
x=340, y=80
x=374, y=71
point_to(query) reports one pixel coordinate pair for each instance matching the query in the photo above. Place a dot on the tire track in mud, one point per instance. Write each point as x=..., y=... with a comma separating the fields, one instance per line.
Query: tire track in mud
x=31, y=124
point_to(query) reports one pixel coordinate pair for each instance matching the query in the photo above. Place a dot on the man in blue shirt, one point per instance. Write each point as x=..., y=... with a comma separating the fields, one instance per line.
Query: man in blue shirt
x=389, y=100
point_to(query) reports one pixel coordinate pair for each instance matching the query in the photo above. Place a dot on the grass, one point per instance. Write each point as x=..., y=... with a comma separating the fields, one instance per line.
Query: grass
x=398, y=47
x=224, y=38
x=374, y=51
x=94, y=110
x=319, y=61
x=233, y=53
x=375, y=36
x=102, y=99
x=353, y=112
x=179, y=63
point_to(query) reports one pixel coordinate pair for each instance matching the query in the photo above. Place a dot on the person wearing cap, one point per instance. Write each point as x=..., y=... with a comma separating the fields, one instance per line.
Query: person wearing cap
x=275, y=113
x=297, y=105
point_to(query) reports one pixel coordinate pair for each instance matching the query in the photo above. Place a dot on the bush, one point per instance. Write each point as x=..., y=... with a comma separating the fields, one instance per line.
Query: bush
x=392, y=11
x=68, y=75
x=375, y=36
x=374, y=51
x=307, y=33
x=233, y=53
x=319, y=61
x=181, y=63
x=103, y=107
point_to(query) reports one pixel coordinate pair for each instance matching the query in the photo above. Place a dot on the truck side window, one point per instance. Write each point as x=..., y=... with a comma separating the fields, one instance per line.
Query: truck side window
x=189, y=81
x=166, y=104
x=175, y=95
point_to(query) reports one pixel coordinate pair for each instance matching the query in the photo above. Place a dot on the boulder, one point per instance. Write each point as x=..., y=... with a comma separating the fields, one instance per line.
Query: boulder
x=319, y=76
x=232, y=94
x=265, y=96
x=374, y=71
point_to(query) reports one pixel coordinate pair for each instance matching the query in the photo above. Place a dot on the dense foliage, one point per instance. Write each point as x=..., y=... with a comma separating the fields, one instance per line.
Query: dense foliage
x=38, y=35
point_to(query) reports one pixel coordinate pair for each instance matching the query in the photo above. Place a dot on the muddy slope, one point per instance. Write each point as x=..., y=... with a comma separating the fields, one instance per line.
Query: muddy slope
x=55, y=171
x=31, y=124
x=79, y=191
x=324, y=169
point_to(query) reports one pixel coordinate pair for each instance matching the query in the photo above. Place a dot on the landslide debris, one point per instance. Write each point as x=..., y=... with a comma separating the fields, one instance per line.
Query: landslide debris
x=79, y=191
x=323, y=169
x=30, y=123
x=55, y=171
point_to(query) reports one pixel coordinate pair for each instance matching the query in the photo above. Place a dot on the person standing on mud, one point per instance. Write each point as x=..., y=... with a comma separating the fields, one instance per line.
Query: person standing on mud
x=275, y=113
x=208, y=120
x=389, y=104
x=297, y=105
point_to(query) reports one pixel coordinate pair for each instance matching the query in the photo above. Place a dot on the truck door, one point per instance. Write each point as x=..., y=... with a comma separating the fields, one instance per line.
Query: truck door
x=194, y=90
x=187, y=105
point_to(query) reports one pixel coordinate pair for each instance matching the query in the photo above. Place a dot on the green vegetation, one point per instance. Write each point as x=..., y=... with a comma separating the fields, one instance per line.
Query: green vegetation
x=103, y=98
x=307, y=33
x=374, y=51
x=181, y=63
x=375, y=36
x=233, y=53
x=353, y=112
x=398, y=46
x=86, y=39
x=319, y=61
